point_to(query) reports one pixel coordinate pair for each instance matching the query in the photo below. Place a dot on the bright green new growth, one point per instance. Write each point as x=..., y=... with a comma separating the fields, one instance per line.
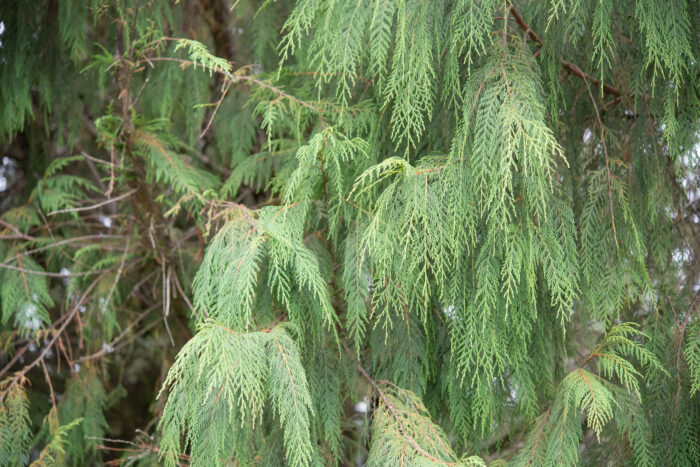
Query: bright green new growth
x=228, y=279
x=218, y=390
x=403, y=433
x=199, y=54
x=381, y=232
x=556, y=435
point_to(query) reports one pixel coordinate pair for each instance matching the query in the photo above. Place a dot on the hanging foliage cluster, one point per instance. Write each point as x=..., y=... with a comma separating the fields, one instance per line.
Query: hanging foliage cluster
x=368, y=232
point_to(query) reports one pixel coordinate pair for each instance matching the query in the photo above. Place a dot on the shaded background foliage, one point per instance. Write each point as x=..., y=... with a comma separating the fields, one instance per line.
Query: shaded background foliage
x=266, y=212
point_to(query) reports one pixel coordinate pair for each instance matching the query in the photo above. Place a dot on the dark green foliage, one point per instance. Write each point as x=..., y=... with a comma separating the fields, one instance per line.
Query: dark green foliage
x=381, y=232
x=15, y=436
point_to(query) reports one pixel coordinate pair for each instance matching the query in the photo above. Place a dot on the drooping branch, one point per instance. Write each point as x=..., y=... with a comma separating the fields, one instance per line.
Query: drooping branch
x=393, y=412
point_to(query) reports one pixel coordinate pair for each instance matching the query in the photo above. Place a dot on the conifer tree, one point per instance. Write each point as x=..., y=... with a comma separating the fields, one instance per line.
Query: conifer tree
x=367, y=232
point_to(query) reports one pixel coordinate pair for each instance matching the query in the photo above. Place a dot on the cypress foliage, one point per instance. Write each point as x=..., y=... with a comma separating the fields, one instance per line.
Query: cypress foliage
x=368, y=232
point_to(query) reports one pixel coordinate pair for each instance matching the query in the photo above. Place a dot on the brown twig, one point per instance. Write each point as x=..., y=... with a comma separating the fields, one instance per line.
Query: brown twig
x=239, y=77
x=217, y=104
x=113, y=344
x=94, y=206
x=539, y=436
x=56, y=274
x=20, y=374
x=14, y=229
x=16, y=357
x=63, y=242
x=568, y=66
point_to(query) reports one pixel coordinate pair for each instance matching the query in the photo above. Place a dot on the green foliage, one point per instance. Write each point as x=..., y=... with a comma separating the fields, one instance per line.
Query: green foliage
x=15, y=429
x=25, y=295
x=57, y=191
x=227, y=280
x=84, y=399
x=555, y=436
x=199, y=54
x=667, y=38
x=382, y=232
x=218, y=411
x=403, y=433
x=172, y=168
x=692, y=355
x=54, y=453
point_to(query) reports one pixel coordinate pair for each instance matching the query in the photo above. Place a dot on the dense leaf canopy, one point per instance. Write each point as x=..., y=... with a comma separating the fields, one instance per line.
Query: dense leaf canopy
x=360, y=232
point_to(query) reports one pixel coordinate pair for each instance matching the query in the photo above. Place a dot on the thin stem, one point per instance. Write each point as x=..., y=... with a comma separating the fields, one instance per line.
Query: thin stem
x=20, y=374
x=94, y=206
x=570, y=67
